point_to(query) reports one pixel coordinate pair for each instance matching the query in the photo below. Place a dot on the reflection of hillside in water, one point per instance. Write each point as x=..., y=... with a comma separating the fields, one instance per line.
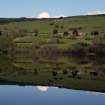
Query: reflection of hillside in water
x=64, y=71
x=57, y=62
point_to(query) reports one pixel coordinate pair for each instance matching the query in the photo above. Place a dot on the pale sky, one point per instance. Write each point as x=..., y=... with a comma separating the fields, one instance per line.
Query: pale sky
x=32, y=8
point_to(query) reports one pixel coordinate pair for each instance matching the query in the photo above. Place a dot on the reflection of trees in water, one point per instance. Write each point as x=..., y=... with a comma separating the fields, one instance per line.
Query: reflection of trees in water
x=55, y=73
x=81, y=68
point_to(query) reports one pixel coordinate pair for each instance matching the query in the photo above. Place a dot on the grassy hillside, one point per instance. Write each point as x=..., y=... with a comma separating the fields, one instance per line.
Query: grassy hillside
x=24, y=29
x=44, y=37
x=87, y=23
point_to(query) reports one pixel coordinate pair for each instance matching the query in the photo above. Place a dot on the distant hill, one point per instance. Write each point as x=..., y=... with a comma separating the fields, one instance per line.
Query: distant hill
x=87, y=23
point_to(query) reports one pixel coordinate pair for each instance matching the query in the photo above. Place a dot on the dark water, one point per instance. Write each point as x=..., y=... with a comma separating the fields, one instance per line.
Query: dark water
x=38, y=95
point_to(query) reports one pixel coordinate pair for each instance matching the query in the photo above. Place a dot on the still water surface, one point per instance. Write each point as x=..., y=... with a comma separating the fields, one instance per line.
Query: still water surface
x=39, y=95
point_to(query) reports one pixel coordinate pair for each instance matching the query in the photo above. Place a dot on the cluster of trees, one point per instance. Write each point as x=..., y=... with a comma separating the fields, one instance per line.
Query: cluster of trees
x=9, y=20
x=73, y=32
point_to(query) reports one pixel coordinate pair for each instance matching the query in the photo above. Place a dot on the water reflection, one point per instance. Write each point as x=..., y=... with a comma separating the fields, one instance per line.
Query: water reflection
x=43, y=88
x=30, y=95
x=64, y=72
x=95, y=93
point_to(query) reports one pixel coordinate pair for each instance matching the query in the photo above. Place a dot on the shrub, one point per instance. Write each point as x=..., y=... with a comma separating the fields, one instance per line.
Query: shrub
x=75, y=32
x=74, y=73
x=51, y=24
x=66, y=33
x=62, y=27
x=0, y=33
x=54, y=73
x=56, y=26
x=65, y=72
x=36, y=32
x=95, y=33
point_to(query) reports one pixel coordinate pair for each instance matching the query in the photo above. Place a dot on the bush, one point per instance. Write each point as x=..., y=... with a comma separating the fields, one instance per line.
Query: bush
x=35, y=71
x=55, y=31
x=65, y=72
x=51, y=24
x=54, y=73
x=56, y=26
x=66, y=33
x=62, y=27
x=36, y=32
x=74, y=73
x=95, y=33
x=0, y=33
x=75, y=32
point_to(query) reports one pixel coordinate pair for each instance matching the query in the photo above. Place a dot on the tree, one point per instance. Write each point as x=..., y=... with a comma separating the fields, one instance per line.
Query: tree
x=54, y=73
x=79, y=28
x=55, y=32
x=36, y=32
x=56, y=26
x=51, y=24
x=66, y=33
x=74, y=73
x=65, y=72
x=21, y=32
x=35, y=71
x=61, y=17
x=0, y=33
x=95, y=33
x=62, y=27
x=75, y=32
